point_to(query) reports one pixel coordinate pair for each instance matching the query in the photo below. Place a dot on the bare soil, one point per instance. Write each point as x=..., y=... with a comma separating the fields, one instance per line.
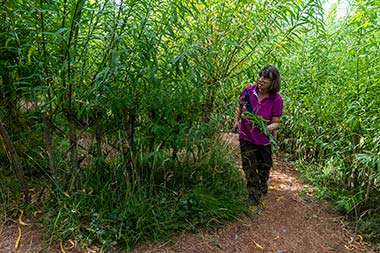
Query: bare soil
x=289, y=220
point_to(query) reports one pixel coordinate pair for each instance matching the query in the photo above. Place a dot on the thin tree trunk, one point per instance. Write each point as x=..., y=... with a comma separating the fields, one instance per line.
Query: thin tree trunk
x=13, y=156
x=131, y=129
x=371, y=182
x=98, y=140
x=73, y=146
x=48, y=142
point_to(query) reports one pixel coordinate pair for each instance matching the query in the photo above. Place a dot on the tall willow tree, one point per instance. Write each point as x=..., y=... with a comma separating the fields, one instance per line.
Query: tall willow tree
x=149, y=71
x=333, y=115
x=236, y=38
x=122, y=100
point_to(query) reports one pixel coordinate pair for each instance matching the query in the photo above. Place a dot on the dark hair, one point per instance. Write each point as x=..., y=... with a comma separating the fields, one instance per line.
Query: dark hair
x=271, y=72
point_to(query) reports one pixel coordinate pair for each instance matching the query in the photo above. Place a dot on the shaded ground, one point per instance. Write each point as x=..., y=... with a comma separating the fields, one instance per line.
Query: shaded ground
x=288, y=220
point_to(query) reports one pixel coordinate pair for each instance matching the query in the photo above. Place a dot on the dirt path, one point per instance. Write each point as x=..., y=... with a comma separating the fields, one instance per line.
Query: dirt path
x=289, y=220
x=286, y=222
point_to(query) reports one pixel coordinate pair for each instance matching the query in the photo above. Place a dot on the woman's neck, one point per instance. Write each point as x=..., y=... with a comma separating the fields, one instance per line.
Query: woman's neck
x=263, y=93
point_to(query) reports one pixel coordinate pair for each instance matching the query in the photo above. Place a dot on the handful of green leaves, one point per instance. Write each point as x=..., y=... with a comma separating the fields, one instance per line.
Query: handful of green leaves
x=261, y=124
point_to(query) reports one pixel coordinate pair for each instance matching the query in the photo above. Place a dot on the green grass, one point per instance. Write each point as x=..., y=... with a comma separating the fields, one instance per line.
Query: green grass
x=113, y=208
x=352, y=202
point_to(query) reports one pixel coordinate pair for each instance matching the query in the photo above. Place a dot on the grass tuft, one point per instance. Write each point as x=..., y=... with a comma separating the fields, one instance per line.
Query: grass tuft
x=116, y=207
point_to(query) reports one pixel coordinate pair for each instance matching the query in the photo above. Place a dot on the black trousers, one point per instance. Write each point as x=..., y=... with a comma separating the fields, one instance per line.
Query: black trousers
x=257, y=162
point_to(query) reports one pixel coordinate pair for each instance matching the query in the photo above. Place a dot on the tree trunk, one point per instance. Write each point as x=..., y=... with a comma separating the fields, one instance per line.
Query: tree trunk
x=13, y=156
x=48, y=142
x=131, y=128
x=73, y=150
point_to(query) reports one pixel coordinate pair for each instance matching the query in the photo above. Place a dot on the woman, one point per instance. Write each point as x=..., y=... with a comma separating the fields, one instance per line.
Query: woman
x=266, y=105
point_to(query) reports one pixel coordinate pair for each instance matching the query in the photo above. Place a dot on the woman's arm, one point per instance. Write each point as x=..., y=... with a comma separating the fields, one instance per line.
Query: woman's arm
x=274, y=125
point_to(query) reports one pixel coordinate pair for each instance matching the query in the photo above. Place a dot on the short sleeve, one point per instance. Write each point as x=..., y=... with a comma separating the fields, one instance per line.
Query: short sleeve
x=277, y=106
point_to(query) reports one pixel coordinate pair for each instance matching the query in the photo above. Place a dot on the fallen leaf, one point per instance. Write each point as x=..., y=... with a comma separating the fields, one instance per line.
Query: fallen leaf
x=36, y=213
x=258, y=245
x=350, y=247
x=18, y=238
x=20, y=219
x=360, y=239
x=73, y=244
x=61, y=247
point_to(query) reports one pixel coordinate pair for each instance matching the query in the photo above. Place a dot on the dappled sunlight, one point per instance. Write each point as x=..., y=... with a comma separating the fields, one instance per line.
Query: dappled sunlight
x=281, y=180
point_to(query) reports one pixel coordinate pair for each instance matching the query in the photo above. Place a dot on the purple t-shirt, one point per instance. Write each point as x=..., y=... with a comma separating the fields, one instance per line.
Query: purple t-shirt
x=269, y=107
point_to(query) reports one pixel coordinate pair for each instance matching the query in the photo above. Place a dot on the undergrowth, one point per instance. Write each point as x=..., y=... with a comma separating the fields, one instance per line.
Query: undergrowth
x=328, y=181
x=119, y=206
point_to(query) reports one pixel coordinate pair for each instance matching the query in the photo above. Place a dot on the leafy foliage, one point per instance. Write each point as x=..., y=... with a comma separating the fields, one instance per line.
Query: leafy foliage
x=115, y=105
x=332, y=114
x=110, y=209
